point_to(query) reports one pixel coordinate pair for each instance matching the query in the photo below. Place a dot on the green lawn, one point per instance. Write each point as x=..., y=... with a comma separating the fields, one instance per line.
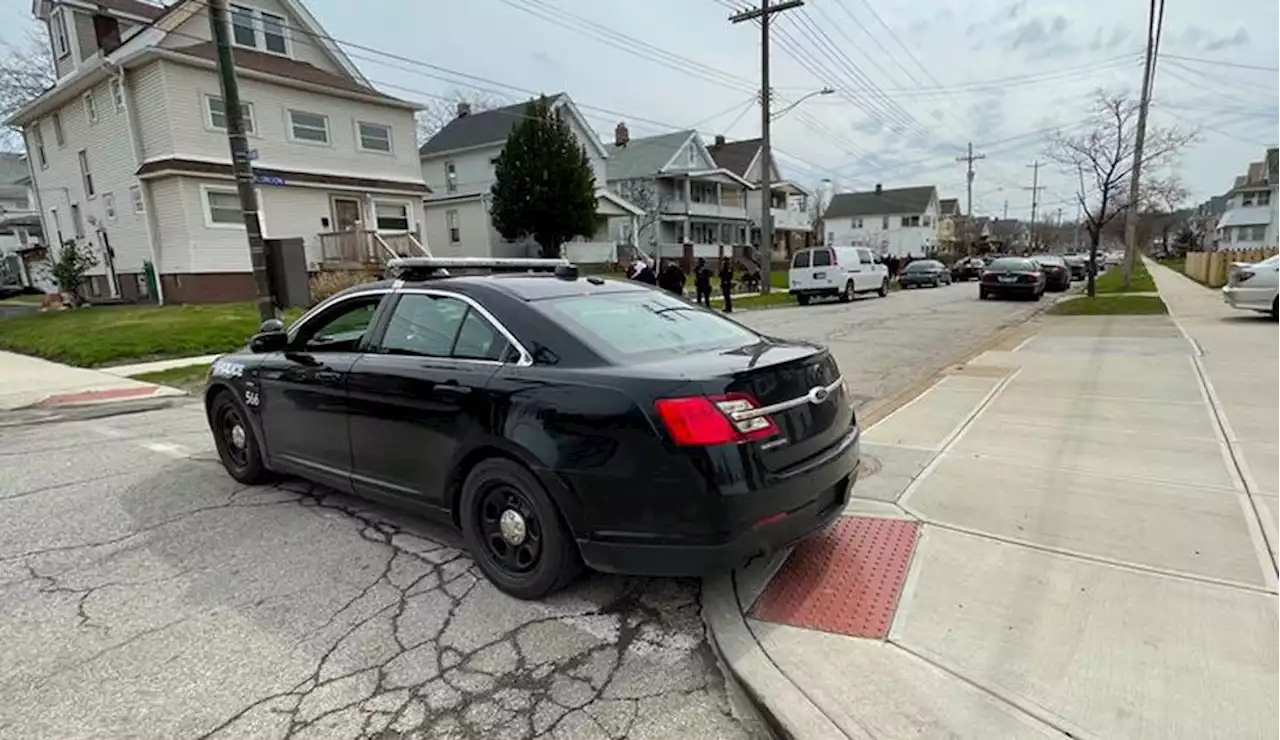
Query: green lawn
x=1112, y=281
x=107, y=335
x=1177, y=264
x=190, y=378
x=1107, y=305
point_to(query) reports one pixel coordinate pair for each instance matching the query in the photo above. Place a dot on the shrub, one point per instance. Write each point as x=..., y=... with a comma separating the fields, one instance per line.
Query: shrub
x=73, y=262
x=328, y=282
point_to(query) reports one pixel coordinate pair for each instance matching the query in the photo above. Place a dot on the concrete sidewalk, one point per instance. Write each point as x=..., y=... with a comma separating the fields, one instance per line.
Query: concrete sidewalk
x=155, y=366
x=1053, y=541
x=30, y=381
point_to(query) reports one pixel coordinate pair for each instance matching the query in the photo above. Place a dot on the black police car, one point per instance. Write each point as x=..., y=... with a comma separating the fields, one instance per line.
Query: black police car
x=555, y=419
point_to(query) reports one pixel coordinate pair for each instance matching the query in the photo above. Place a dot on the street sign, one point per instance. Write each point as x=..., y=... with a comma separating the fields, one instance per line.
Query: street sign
x=251, y=154
x=268, y=179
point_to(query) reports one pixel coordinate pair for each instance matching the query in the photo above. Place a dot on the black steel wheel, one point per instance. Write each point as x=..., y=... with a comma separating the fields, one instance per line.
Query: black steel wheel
x=802, y=299
x=514, y=530
x=846, y=295
x=237, y=444
x=884, y=288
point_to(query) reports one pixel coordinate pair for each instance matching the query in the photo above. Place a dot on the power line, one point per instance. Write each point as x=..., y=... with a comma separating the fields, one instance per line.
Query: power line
x=1237, y=65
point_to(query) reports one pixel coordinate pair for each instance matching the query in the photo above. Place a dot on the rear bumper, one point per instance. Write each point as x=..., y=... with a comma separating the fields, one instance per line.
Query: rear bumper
x=1248, y=299
x=1013, y=289
x=822, y=487
x=815, y=291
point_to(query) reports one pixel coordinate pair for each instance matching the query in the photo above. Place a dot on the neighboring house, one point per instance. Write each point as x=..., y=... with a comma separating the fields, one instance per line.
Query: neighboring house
x=458, y=165
x=951, y=227
x=792, y=228
x=21, y=246
x=129, y=150
x=1249, y=218
x=686, y=197
x=902, y=221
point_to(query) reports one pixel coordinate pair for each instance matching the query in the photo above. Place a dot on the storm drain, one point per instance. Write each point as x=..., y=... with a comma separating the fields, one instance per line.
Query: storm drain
x=847, y=580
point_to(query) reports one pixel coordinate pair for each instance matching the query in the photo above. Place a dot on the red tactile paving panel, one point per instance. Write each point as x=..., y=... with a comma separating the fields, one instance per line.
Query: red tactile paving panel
x=88, y=396
x=846, y=580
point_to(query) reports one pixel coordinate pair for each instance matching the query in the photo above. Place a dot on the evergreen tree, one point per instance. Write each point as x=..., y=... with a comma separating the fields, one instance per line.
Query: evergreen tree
x=544, y=186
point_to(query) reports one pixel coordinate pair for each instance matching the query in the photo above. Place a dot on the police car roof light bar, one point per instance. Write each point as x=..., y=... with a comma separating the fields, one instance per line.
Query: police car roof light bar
x=425, y=268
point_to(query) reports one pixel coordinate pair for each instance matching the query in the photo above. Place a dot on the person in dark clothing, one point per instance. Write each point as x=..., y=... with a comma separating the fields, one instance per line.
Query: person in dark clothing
x=726, y=284
x=641, y=272
x=702, y=282
x=672, y=279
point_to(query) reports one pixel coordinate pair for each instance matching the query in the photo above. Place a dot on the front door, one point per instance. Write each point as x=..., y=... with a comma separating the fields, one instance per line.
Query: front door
x=418, y=398
x=346, y=221
x=304, y=396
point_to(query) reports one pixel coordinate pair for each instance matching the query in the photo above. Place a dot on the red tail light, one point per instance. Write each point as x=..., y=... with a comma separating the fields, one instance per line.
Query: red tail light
x=1029, y=278
x=985, y=274
x=702, y=421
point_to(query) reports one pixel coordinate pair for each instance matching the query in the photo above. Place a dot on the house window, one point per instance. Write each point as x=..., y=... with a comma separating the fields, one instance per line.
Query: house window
x=77, y=222
x=109, y=205
x=455, y=233
x=242, y=28
x=217, y=114
x=37, y=143
x=450, y=177
x=273, y=34
x=391, y=216
x=57, y=223
x=221, y=207
x=925, y=221
x=910, y=221
x=85, y=174
x=117, y=95
x=90, y=107
x=374, y=137
x=58, y=134
x=310, y=127
x=135, y=196
x=1262, y=199
x=884, y=224
x=59, y=23
x=856, y=223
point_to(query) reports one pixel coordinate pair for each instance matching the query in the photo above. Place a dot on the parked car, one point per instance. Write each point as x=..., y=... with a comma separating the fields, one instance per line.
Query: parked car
x=836, y=272
x=1252, y=287
x=924, y=272
x=1057, y=276
x=1078, y=265
x=555, y=420
x=1012, y=277
x=968, y=268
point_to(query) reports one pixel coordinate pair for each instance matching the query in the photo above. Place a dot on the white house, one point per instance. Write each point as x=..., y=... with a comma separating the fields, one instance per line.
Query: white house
x=686, y=197
x=458, y=165
x=792, y=227
x=128, y=151
x=902, y=221
x=1249, y=221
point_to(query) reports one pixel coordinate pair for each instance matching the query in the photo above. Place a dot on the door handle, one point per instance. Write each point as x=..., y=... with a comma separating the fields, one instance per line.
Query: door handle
x=453, y=388
x=328, y=377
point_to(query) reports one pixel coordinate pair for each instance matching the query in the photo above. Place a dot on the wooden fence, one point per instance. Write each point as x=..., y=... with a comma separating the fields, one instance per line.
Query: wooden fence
x=1212, y=268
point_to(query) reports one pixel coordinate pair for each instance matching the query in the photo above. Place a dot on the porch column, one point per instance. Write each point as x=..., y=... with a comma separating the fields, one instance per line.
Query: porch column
x=688, y=190
x=719, y=194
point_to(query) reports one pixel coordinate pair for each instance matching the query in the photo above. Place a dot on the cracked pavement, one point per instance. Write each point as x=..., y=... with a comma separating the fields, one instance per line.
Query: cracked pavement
x=149, y=595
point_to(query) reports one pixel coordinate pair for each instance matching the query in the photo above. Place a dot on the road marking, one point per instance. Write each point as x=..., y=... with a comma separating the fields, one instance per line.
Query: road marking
x=1024, y=343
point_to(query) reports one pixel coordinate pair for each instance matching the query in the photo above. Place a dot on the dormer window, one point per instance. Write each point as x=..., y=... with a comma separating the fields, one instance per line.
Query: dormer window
x=256, y=29
x=58, y=25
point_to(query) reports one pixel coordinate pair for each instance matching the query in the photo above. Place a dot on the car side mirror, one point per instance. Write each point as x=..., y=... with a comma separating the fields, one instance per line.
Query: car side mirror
x=271, y=337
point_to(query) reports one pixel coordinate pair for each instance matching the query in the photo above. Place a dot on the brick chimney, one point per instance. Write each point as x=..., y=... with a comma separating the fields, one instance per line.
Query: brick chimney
x=621, y=136
x=464, y=109
x=878, y=188
x=719, y=139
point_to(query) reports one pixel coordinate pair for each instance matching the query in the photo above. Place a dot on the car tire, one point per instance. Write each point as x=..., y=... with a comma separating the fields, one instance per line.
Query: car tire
x=802, y=299
x=846, y=295
x=1036, y=295
x=237, y=443
x=884, y=288
x=1275, y=308
x=545, y=560
x=982, y=294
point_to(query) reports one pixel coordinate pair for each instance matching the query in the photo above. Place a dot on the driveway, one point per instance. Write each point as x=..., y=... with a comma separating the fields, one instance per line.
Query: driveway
x=148, y=595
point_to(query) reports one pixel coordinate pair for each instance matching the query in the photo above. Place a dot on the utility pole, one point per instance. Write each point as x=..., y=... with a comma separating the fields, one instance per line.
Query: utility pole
x=1035, y=189
x=1155, y=23
x=240, y=166
x=766, y=155
x=969, y=158
x=1005, y=217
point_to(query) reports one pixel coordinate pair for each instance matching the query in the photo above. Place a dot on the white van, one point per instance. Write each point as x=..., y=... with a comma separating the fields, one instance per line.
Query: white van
x=836, y=271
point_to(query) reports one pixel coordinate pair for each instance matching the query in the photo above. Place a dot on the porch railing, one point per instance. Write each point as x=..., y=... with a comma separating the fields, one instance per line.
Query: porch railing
x=363, y=247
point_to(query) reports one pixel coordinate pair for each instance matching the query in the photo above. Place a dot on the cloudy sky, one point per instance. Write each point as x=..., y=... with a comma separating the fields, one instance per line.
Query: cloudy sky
x=914, y=82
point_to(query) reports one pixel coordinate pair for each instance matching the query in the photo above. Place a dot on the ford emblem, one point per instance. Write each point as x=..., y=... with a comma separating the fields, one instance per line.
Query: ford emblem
x=818, y=395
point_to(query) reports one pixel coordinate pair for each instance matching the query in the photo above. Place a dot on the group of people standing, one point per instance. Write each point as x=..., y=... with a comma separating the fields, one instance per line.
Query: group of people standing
x=672, y=279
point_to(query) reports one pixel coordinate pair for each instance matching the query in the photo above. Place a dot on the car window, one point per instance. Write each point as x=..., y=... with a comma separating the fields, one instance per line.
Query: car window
x=340, y=327
x=801, y=259
x=1013, y=263
x=425, y=325
x=479, y=340
x=629, y=326
x=864, y=256
x=822, y=258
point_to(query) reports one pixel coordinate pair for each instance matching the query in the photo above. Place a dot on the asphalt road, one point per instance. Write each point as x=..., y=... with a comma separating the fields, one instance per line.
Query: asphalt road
x=148, y=595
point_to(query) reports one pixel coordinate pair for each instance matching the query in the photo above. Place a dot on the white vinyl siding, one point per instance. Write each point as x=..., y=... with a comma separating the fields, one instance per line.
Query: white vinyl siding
x=216, y=114
x=373, y=137
x=312, y=128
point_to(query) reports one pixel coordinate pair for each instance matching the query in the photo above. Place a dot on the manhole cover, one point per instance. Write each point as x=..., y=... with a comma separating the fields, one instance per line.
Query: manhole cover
x=869, y=466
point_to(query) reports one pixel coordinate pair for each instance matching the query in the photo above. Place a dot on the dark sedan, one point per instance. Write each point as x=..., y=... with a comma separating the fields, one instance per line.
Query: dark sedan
x=1012, y=277
x=1057, y=275
x=555, y=420
x=924, y=272
x=1078, y=265
x=968, y=268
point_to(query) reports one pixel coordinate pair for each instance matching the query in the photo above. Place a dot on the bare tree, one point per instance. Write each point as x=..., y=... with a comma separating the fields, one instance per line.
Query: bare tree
x=26, y=71
x=644, y=194
x=1103, y=158
x=440, y=111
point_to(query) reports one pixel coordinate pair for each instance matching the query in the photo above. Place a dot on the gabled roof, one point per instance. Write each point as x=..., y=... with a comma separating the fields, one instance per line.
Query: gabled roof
x=881, y=203
x=736, y=156
x=132, y=7
x=645, y=157
x=949, y=206
x=479, y=129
